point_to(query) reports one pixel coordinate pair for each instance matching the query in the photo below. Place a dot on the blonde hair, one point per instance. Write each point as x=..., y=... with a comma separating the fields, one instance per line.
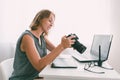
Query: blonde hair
x=39, y=16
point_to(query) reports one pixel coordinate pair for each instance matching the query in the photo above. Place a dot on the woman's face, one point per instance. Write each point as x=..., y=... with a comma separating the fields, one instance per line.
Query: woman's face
x=47, y=23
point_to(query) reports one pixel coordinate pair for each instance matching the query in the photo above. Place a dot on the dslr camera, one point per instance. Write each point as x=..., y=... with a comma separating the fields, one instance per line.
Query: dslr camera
x=77, y=45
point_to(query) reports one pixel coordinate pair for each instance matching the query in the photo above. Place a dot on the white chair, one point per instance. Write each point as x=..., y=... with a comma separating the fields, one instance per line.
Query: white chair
x=6, y=68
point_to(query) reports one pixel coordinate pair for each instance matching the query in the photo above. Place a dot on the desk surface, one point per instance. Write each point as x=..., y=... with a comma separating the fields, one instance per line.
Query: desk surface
x=78, y=73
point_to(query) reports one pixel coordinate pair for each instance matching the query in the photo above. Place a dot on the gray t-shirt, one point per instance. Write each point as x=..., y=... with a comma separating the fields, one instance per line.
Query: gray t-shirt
x=23, y=69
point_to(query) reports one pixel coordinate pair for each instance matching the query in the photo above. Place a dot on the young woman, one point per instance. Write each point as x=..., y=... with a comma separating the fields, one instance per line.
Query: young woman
x=31, y=56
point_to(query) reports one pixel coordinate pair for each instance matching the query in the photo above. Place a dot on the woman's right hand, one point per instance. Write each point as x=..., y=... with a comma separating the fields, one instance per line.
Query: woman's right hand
x=66, y=42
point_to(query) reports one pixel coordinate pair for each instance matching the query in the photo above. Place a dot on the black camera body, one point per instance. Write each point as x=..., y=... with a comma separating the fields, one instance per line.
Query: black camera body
x=77, y=45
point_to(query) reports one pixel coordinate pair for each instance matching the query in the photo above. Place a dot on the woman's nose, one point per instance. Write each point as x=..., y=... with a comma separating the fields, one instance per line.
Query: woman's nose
x=51, y=24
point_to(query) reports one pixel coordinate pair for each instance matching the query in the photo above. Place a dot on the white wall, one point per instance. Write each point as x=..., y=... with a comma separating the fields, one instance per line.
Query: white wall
x=83, y=17
x=115, y=30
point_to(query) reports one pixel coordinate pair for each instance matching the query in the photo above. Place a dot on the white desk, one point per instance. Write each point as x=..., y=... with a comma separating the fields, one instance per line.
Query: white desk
x=78, y=74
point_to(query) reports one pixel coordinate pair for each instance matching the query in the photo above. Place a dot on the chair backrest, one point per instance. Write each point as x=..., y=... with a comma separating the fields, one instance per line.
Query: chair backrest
x=6, y=68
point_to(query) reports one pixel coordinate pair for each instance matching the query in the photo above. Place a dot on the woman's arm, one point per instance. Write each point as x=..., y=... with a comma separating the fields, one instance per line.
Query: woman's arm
x=39, y=63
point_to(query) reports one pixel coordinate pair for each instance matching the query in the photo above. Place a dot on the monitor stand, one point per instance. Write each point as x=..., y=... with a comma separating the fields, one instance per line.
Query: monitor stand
x=100, y=62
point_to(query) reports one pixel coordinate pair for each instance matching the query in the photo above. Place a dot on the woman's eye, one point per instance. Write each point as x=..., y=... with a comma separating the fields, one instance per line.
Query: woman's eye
x=50, y=21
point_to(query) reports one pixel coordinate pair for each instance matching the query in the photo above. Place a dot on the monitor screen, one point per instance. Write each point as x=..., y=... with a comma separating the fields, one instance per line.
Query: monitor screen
x=105, y=42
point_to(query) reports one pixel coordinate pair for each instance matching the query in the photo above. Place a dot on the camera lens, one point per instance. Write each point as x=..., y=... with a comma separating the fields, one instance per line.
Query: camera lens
x=79, y=47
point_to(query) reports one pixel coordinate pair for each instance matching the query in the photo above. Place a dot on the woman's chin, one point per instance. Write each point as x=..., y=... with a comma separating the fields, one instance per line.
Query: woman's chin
x=46, y=32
